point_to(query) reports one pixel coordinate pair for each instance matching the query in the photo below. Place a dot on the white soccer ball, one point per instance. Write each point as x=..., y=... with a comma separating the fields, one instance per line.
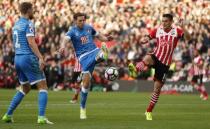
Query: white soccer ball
x=111, y=73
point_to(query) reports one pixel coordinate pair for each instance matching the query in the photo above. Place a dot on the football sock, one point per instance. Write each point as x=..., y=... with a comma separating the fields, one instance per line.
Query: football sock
x=141, y=66
x=101, y=55
x=203, y=90
x=15, y=102
x=153, y=101
x=77, y=93
x=198, y=88
x=43, y=97
x=84, y=94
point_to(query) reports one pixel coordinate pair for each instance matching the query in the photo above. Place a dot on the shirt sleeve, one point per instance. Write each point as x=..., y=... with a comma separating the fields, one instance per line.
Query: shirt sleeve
x=152, y=33
x=30, y=30
x=93, y=32
x=69, y=33
x=180, y=33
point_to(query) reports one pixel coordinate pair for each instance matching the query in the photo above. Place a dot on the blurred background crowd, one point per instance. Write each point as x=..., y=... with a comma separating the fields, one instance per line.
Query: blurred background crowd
x=126, y=20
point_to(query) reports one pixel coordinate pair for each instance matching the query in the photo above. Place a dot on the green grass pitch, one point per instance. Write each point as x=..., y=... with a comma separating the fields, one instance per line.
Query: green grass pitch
x=111, y=110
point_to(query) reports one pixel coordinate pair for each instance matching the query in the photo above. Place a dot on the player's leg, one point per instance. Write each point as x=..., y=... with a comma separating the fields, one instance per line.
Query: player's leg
x=36, y=76
x=42, y=97
x=202, y=87
x=76, y=89
x=159, y=79
x=204, y=93
x=140, y=66
x=88, y=63
x=42, y=100
x=75, y=86
x=24, y=89
x=86, y=80
x=102, y=54
x=154, y=99
x=195, y=84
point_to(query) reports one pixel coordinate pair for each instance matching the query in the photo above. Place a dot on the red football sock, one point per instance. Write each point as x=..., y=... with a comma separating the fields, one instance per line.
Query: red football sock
x=153, y=101
x=203, y=90
x=198, y=88
x=141, y=66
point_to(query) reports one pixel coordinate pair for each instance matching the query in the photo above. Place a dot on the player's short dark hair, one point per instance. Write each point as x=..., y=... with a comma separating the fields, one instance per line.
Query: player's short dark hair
x=24, y=7
x=168, y=15
x=76, y=15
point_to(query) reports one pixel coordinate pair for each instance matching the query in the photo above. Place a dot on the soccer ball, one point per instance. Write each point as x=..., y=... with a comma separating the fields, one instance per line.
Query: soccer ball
x=111, y=73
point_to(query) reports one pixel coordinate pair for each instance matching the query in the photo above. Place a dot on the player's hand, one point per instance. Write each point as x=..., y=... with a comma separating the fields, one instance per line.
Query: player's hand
x=181, y=22
x=61, y=51
x=41, y=63
x=144, y=40
x=110, y=37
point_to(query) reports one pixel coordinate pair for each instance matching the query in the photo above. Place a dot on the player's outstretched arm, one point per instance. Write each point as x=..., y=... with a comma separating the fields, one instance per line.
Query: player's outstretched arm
x=145, y=39
x=35, y=49
x=104, y=38
x=61, y=50
x=186, y=33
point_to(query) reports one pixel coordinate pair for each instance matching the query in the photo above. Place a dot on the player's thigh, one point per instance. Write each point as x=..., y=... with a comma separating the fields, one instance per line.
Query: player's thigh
x=148, y=60
x=26, y=88
x=194, y=79
x=160, y=72
x=32, y=71
x=75, y=77
x=157, y=86
x=42, y=85
x=88, y=62
x=86, y=79
x=19, y=65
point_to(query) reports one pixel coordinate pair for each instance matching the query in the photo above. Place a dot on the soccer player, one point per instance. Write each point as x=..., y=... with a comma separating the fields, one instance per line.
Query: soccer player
x=29, y=64
x=166, y=37
x=82, y=35
x=75, y=81
x=197, y=71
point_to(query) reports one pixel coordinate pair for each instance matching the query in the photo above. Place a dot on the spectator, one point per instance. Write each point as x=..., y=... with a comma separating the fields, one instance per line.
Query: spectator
x=128, y=22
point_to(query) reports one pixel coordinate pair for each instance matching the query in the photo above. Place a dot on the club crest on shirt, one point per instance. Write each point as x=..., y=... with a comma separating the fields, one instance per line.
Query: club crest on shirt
x=88, y=30
x=173, y=33
x=164, y=42
x=76, y=33
x=31, y=28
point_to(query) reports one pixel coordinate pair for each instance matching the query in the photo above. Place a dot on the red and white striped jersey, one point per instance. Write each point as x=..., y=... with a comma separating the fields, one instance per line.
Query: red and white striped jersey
x=77, y=66
x=166, y=42
x=198, y=68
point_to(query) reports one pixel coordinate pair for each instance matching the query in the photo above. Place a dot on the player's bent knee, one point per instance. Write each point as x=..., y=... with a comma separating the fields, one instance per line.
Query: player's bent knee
x=25, y=88
x=86, y=80
x=157, y=86
x=142, y=66
x=42, y=85
x=157, y=90
x=26, y=91
x=86, y=84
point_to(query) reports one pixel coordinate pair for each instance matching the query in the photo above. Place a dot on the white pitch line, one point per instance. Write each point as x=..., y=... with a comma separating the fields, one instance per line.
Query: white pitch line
x=104, y=104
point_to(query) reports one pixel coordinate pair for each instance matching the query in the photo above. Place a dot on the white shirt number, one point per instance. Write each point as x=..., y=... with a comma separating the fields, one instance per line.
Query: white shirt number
x=17, y=45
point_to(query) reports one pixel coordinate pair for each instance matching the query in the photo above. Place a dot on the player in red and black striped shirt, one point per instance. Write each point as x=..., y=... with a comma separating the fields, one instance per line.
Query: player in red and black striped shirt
x=197, y=72
x=166, y=37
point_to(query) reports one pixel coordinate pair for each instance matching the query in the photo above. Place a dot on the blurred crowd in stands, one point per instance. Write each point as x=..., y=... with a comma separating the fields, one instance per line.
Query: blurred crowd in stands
x=126, y=20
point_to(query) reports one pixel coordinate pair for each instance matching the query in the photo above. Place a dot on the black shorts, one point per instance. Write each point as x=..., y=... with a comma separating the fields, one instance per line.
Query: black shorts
x=160, y=69
x=75, y=77
x=197, y=79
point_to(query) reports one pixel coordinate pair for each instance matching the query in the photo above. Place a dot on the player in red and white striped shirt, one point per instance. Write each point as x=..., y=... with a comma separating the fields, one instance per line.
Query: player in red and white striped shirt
x=76, y=80
x=197, y=71
x=166, y=37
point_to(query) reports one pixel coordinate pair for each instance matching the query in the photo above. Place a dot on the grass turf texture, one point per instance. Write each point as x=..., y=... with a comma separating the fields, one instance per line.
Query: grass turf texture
x=112, y=110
